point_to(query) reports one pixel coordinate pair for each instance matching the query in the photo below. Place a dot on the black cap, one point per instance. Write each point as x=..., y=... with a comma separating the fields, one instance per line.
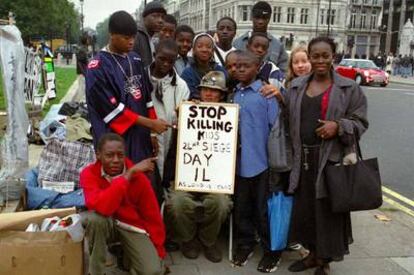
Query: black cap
x=153, y=7
x=122, y=22
x=262, y=9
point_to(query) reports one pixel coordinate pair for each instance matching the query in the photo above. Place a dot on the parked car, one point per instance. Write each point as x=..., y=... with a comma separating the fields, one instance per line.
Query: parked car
x=363, y=71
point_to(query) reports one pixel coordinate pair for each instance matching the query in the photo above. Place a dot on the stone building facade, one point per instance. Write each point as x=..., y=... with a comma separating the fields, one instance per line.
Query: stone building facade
x=396, y=14
x=364, y=27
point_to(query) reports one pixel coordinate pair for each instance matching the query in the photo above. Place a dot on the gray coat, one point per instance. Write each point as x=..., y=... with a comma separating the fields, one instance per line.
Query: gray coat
x=347, y=105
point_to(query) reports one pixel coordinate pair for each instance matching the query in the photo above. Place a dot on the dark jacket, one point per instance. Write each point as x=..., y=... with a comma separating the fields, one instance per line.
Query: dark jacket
x=143, y=46
x=347, y=105
x=193, y=77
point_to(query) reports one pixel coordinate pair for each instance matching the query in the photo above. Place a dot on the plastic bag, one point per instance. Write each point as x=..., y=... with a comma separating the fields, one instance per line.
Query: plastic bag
x=279, y=212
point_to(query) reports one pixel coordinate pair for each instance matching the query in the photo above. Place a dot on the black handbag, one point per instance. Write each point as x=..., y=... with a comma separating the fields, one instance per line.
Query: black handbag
x=354, y=187
x=279, y=147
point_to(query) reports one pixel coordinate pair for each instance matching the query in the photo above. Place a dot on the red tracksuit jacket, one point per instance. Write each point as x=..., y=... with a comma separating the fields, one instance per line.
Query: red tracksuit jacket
x=131, y=202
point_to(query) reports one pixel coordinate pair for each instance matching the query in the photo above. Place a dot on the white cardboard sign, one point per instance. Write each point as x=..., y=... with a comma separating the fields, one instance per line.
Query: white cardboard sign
x=207, y=147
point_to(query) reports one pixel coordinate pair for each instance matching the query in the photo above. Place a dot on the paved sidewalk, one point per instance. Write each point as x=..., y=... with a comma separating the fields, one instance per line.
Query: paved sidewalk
x=379, y=248
x=402, y=80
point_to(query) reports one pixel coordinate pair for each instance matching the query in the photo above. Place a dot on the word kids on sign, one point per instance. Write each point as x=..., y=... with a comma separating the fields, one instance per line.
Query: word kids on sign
x=207, y=147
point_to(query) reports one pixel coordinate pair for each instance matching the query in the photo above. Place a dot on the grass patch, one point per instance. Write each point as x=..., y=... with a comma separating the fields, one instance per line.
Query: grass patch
x=64, y=79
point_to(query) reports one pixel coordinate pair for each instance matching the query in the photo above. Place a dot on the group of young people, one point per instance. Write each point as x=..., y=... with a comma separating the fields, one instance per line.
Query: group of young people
x=133, y=89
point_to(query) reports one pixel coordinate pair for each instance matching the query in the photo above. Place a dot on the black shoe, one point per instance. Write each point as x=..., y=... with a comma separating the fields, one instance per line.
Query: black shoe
x=302, y=265
x=213, y=253
x=241, y=256
x=269, y=262
x=323, y=270
x=190, y=249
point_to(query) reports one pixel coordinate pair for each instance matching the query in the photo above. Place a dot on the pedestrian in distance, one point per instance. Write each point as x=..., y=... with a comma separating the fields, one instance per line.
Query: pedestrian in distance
x=184, y=36
x=261, y=14
x=327, y=113
x=396, y=65
x=390, y=62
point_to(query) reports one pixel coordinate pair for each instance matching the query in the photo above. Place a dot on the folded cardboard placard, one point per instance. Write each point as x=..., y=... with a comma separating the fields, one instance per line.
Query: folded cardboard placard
x=40, y=253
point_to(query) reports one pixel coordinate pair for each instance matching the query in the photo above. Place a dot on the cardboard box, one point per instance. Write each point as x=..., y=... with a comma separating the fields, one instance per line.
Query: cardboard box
x=39, y=253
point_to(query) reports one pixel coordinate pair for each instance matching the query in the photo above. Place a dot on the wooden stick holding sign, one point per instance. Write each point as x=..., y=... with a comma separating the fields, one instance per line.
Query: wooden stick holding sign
x=207, y=147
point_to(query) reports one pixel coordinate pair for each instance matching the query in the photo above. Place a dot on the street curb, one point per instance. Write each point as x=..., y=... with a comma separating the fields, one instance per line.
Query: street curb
x=73, y=89
x=402, y=82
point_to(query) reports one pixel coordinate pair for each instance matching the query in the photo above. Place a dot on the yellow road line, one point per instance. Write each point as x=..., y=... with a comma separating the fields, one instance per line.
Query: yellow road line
x=398, y=196
x=398, y=205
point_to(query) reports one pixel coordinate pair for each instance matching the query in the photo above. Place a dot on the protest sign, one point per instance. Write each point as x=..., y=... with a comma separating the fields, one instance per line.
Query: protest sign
x=207, y=147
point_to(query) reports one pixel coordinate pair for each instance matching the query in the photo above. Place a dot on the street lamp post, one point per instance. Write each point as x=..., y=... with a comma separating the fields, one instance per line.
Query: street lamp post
x=81, y=17
x=329, y=17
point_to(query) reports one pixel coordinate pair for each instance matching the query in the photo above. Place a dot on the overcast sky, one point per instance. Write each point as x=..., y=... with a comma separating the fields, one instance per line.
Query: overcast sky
x=96, y=11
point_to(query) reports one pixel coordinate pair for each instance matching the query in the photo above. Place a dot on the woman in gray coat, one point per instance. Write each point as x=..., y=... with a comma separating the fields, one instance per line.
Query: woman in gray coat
x=326, y=112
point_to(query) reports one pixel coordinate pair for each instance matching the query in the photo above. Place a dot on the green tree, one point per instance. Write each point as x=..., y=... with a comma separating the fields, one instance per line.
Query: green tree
x=43, y=18
x=102, y=36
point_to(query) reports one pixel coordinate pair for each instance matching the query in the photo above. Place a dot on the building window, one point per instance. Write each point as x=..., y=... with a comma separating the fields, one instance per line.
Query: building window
x=373, y=22
x=353, y=20
x=330, y=19
x=290, y=15
x=363, y=22
x=304, y=16
x=322, y=14
x=277, y=14
x=354, y=1
x=375, y=2
x=245, y=13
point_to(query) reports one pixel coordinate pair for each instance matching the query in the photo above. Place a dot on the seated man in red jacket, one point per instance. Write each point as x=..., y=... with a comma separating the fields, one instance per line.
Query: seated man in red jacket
x=122, y=206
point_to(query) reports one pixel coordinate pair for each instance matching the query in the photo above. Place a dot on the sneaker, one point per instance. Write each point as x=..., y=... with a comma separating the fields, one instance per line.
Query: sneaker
x=269, y=262
x=299, y=248
x=241, y=256
x=294, y=246
x=213, y=253
x=190, y=249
